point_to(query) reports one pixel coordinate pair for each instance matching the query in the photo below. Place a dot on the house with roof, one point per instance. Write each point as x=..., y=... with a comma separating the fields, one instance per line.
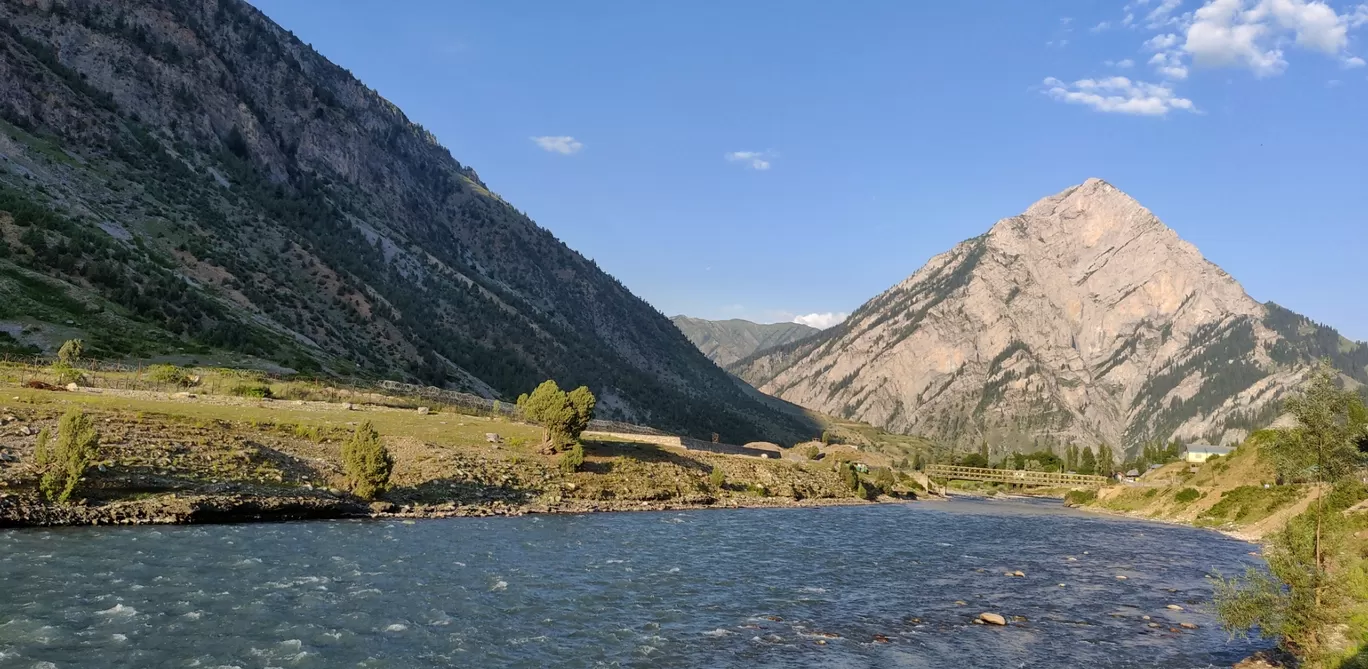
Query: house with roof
x=1202, y=451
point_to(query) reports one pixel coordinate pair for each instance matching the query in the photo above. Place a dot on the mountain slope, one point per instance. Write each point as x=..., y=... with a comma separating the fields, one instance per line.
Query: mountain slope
x=1084, y=319
x=725, y=342
x=187, y=175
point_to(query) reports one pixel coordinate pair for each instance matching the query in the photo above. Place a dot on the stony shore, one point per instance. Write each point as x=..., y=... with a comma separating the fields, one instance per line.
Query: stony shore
x=24, y=510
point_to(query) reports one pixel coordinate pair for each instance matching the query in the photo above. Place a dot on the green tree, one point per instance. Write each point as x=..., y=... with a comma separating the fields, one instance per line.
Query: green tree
x=572, y=459
x=366, y=462
x=1087, y=463
x=71, y=351
x=1302, y=597
x=563, y=416
x=64, y=463
x=1106, y=461
x=717, y=478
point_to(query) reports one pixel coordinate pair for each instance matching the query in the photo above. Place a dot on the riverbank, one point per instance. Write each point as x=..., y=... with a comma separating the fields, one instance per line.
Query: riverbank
x=178, y=458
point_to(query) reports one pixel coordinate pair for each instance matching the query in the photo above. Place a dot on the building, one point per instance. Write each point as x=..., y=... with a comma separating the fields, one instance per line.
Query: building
x=1202, y=451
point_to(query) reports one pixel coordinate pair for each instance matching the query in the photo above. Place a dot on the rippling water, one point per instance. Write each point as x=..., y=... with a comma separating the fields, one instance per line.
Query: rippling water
x=744, y=588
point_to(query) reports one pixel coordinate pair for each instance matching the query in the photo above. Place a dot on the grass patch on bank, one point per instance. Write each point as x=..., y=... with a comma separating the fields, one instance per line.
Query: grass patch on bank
x=1249, y=504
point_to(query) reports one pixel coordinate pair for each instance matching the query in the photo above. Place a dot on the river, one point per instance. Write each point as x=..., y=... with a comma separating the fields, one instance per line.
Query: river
x=717, y=588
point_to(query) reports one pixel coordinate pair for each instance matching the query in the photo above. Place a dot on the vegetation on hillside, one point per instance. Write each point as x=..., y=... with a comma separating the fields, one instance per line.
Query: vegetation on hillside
x=1314, y=598
x=563, y=416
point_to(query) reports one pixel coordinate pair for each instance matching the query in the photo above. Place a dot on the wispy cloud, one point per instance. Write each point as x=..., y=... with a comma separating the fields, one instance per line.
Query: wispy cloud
x=1118, y=95
x=1124, y=63
x=1351, y=62
x=821, y=321
x=562, y=144
x=756, y=160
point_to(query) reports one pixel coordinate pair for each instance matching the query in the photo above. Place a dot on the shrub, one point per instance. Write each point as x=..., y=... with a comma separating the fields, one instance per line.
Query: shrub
x=169, y=374
x=757, y=489
x=258, y=391
x=64, y=372
x=883, y=478
x=865, y=493
x=812, y=452
x=71, y=351
x=366, y=462
x=852, y=478
x=717, y=478
x=572, y=459
x=1187, y=495
x=826, y=437
x=65, y=462
x=1080, y=497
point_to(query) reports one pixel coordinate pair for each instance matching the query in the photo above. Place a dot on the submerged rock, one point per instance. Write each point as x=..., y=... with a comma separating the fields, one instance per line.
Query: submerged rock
x=992, y=619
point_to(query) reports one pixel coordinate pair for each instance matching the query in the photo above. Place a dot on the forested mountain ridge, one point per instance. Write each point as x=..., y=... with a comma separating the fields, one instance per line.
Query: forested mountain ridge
x=725, y=342
x=1083, y=320
x=186, y=173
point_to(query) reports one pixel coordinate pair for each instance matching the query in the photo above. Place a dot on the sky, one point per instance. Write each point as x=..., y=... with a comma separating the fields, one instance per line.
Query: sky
x=782, y=159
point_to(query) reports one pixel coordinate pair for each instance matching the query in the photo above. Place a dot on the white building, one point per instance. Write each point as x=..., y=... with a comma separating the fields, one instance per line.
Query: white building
x=1202, y=451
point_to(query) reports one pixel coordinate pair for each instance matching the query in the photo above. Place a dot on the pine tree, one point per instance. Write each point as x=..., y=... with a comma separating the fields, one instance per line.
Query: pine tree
x=1087, y=462
x=366, y=462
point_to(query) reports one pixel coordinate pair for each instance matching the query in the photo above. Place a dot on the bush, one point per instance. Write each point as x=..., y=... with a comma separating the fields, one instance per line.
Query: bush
x=852, y=478
x=717, y=478
x=257, y=391
x=883, y=478
x=71, y=351
x=812, y=452
x=366, y=462
x=757, y=490
x=572, y=459
x=169, y=374
x=64, y=372
x=66, y=462
x=1080, y=497
x=866, y=493
x=1187, y=495
x=1249, y=503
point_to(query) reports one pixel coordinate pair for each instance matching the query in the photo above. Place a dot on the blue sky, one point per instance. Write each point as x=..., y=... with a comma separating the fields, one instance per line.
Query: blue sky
x=765, y=160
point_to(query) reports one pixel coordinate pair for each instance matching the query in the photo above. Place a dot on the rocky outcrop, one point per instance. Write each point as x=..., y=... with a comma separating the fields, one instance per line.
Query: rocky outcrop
x=1085, y=319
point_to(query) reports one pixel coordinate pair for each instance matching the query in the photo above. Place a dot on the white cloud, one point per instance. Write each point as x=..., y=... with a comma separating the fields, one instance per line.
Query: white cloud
x=1118, y=95
x=1169, y=65
x=821, y=321
x=1163, y=14
x=756, y=160
x=564, y=145
x=1124, y=63
x=1359, y=17
x=1128, y=20
x=1253, y=33
x=1101, y=27
x=1162, y=42
x=1351, y=62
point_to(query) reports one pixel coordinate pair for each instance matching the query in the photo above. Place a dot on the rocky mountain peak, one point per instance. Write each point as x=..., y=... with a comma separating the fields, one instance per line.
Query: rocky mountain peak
x=1084, y=319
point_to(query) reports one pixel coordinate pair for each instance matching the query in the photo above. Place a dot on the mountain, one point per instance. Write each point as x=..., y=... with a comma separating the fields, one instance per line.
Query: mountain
x=725, y=342
x=187, y=176
x=1084, y=319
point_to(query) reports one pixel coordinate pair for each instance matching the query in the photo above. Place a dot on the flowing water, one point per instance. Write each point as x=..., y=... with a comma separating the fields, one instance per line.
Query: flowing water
x=741, y=588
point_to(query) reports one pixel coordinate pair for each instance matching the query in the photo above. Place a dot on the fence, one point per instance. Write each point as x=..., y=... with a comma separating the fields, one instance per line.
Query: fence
x=1020, y=477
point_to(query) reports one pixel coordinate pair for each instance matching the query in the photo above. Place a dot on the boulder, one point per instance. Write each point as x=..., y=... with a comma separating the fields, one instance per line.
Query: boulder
x=423, y=411
x=72, y=387
x=1187, y=626
x=381, y=507
x=493, y=438
x=348, y=406
x=992, y=619
x=1174, y=607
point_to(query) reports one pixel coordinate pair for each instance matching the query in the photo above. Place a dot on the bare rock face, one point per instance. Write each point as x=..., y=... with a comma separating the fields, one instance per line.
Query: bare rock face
x=1084, y=319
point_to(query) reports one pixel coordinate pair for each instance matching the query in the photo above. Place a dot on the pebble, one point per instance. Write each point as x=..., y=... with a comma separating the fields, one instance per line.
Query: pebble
x=1174, y=607
x=1119, y=577
x=1187, y=626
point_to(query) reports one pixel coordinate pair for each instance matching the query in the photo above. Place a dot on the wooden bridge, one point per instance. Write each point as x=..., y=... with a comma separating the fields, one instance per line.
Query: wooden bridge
x=1017, y=476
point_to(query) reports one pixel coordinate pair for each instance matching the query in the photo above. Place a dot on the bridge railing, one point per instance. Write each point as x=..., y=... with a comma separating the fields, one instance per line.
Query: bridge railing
x=1018, y=476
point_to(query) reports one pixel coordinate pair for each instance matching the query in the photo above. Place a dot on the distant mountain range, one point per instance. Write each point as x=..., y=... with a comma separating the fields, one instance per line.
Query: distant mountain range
x=188, y=176
x=725, y=342
x=1084, y=320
